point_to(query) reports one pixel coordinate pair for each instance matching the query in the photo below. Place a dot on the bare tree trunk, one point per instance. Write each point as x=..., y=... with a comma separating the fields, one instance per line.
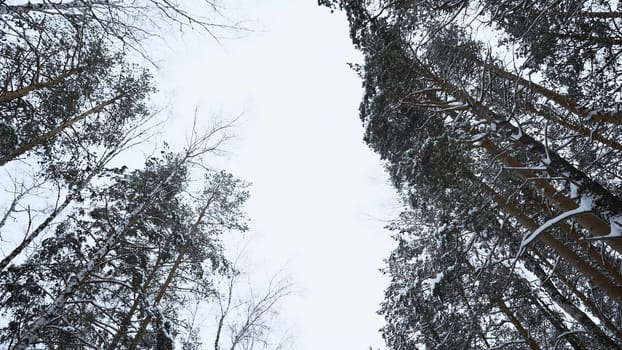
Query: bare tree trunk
x=224, y=311
x=591, y=273
x=517, y=325
x=576, y=313
x=589, y=221
x=36, y=232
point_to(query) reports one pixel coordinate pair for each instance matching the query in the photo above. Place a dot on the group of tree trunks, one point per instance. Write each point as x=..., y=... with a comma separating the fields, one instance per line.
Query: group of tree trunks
x=97, y=256
x=508, y=155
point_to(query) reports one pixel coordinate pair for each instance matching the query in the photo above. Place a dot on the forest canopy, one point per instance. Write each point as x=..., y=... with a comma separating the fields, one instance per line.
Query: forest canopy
x=98, y=251
x=499, y=122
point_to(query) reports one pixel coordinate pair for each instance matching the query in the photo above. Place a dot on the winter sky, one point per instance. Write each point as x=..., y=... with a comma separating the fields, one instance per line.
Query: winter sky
x=319, y=198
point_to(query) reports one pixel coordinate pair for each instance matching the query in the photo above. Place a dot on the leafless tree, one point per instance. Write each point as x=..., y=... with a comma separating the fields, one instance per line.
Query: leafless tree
x=129, y=22
x=247, y=321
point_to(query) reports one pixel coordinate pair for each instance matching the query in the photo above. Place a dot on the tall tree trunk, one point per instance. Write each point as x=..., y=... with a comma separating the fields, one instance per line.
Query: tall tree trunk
x=563, y=101
x=591, y=273
x=576, y=313
x=517, y=325
x=605, y=204
x=581, y=296
x=594, y=224
x=171, y=275
x=47, y=136
x=550, y=115
x=597, y=257
x=554, y=319
x=127, y=319
x=38, y=85
x=31, y=333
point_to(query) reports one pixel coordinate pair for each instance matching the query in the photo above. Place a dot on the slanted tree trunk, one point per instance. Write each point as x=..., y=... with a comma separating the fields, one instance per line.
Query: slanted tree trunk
x=554, y=319
x=591, y=273
x=563, y=101
x=571, y=309
x=517, y=325
x=49, y=135
x=607, y=323
x=127, y=319
x=589, y=221
x=105, y=159
x=606, y=205
x=11, y=95
x=171, y=274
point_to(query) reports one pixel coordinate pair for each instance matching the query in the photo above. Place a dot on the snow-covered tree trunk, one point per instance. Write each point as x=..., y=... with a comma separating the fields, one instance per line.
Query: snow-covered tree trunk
x=55, y=308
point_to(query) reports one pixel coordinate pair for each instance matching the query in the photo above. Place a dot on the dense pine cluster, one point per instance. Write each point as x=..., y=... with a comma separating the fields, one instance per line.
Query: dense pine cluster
x=508, y=153
x=96, y=256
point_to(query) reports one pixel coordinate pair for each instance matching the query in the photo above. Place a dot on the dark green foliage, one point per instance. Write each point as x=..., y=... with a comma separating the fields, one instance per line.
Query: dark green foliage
x=482, y=156
x=155, y=225
x=117, y=246
x=66, y=93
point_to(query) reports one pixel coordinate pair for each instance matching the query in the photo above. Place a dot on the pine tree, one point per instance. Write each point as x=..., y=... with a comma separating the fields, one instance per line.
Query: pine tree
x=138, y=243
x=471, y=144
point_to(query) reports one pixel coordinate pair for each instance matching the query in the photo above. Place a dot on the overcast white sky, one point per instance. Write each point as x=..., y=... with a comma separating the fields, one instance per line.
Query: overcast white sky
x=319, y=197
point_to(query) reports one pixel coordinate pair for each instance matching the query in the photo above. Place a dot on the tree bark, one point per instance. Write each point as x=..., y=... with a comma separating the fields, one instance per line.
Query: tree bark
x=591, y=222
x=47, y=136
x=576, y=313
x=127, y=320
x=606, y=204
x=554, y=319
x=561, y=100
x=171, y=275
x=591, y=273
x=38, y=85
x=517, y=325
x=586, y=301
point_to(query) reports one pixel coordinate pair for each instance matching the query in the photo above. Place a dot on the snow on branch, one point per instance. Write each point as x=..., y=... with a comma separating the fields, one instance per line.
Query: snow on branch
x=529, y=168
x=505, y=344
x=615, y=224
x=584, y=207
